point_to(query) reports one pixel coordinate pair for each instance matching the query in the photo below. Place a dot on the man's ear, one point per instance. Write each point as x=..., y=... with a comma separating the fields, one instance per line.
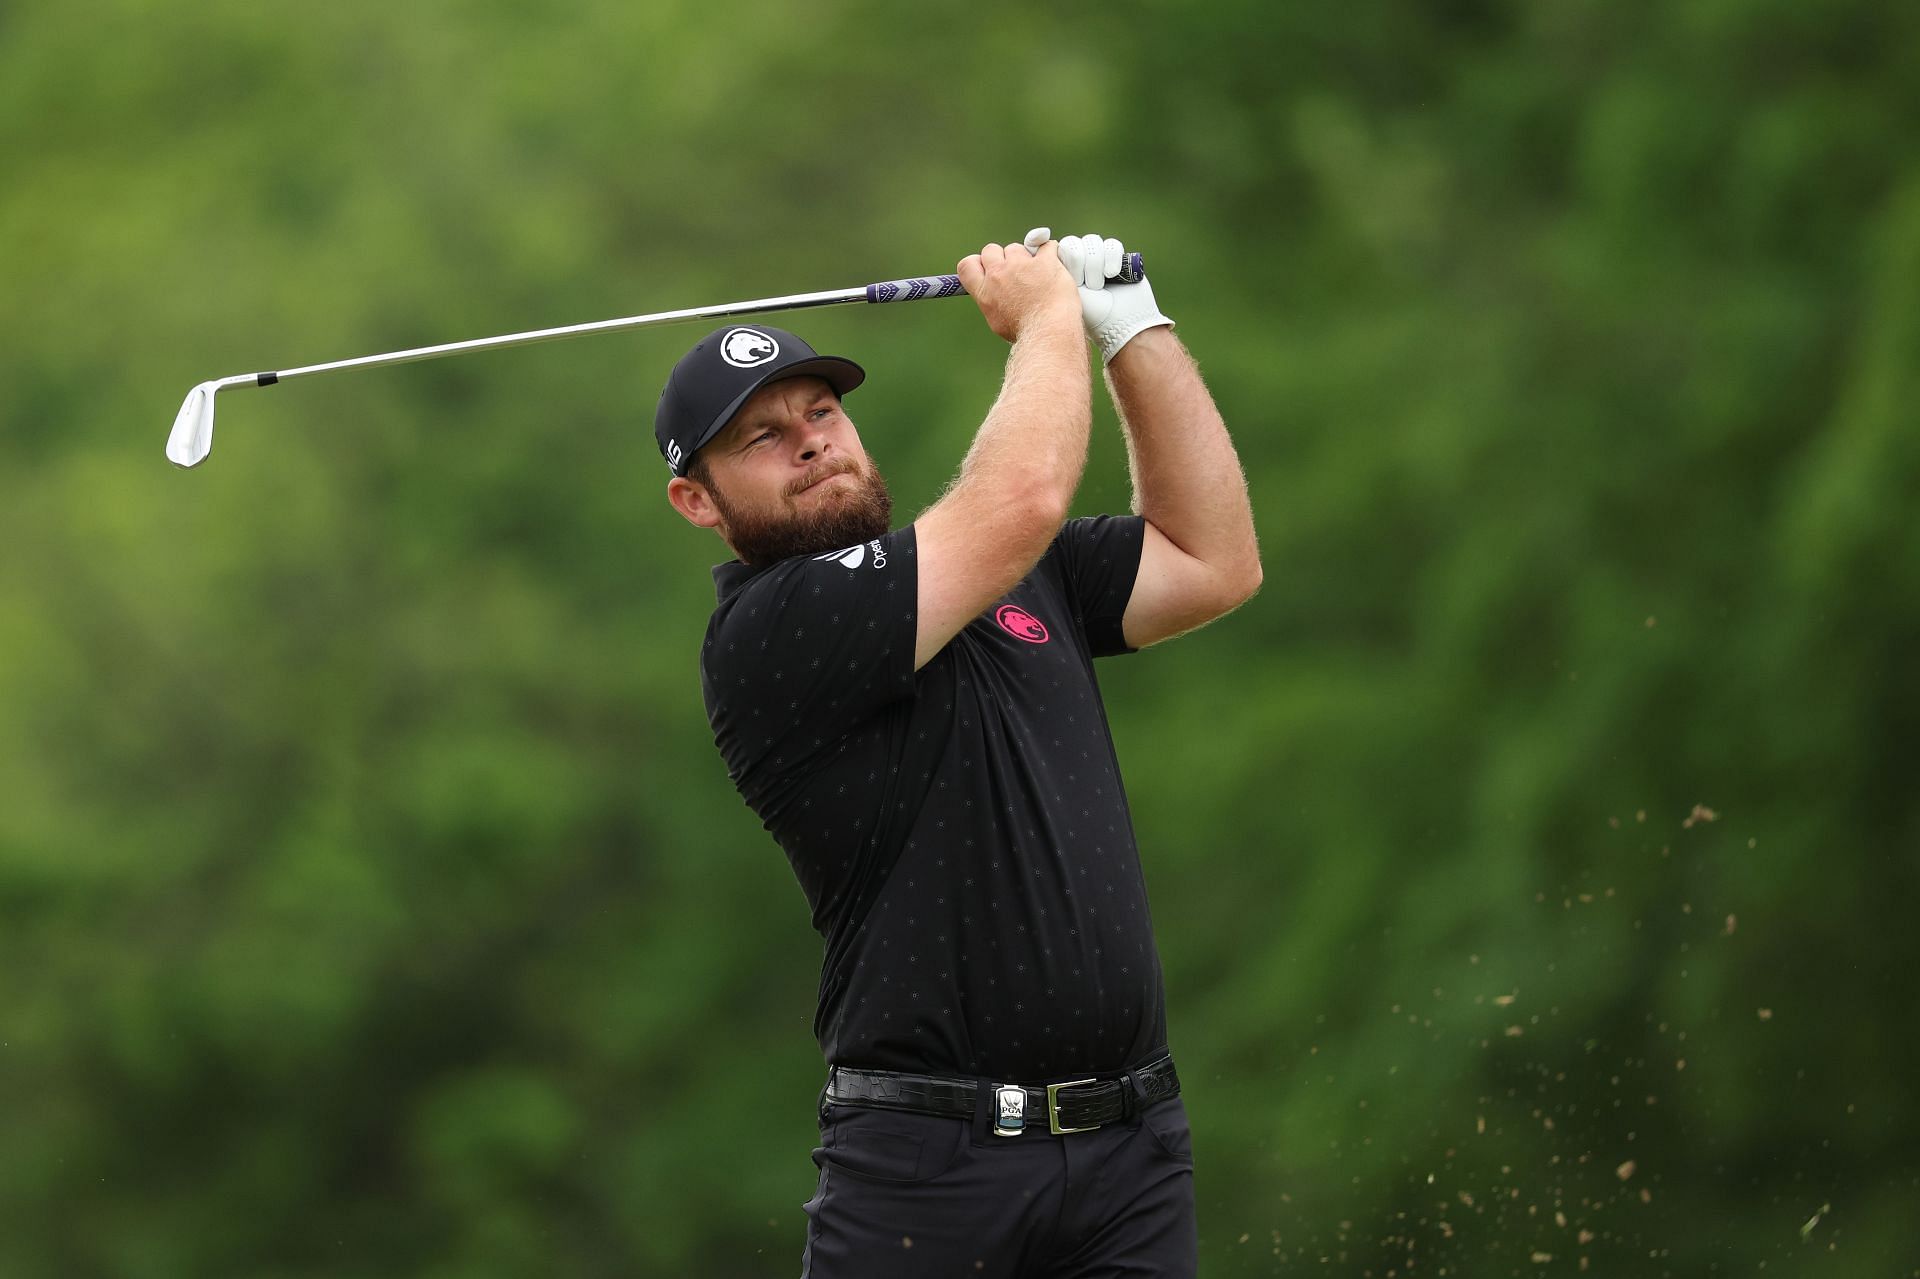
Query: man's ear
x=691, y=499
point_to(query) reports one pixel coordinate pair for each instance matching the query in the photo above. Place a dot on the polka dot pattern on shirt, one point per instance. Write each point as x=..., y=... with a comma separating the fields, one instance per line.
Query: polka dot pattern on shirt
x=961, y=833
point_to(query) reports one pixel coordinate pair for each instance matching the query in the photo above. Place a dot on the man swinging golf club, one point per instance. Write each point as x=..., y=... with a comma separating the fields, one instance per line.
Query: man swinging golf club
x=913, y=713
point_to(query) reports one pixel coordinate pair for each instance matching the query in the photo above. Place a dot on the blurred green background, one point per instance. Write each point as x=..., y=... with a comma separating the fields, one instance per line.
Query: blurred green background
x=1534, y=860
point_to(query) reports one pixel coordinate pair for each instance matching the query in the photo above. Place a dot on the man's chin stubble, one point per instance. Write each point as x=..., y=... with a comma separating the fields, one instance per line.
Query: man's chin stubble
x=844, y=520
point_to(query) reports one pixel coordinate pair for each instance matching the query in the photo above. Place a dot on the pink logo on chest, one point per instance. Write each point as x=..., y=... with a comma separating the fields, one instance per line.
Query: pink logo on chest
x=1020, y=624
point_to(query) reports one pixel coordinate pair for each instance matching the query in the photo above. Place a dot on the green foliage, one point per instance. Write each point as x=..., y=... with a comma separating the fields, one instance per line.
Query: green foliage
x=1532, y=858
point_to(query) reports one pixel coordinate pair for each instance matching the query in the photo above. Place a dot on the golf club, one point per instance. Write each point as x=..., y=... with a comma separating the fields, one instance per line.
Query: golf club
x=192, y=436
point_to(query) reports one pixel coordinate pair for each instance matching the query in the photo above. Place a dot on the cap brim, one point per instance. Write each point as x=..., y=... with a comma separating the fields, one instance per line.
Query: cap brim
x=841, y=374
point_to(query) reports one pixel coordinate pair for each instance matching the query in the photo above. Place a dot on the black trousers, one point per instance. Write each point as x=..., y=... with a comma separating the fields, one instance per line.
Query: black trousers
x=906, y=1195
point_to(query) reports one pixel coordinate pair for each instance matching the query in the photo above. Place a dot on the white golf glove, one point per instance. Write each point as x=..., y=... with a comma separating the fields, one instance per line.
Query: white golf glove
x=1113, y=313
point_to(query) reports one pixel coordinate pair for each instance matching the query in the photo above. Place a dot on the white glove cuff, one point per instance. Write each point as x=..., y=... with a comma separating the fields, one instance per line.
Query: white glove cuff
x=1119, y=330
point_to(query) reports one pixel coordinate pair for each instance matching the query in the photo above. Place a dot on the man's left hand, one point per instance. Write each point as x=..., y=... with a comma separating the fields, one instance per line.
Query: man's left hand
x=1113, y=313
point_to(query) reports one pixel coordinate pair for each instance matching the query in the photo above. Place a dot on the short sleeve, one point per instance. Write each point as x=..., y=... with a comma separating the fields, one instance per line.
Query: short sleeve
x=809, y=648
x=1098, y=558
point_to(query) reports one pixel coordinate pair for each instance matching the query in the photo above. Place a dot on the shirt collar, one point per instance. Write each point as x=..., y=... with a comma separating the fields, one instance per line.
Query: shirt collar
x=731, y=576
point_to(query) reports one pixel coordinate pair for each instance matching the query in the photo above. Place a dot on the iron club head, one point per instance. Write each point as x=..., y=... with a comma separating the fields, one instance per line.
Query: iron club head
x=192, y=437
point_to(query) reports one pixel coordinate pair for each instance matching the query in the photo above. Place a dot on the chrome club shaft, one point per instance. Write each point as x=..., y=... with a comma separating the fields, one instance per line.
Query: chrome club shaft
x=192, y=436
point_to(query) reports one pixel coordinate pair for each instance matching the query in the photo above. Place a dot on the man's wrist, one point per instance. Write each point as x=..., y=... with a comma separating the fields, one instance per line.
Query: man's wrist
x=1117, y=334
x=1150, y=342
x=1055, y=324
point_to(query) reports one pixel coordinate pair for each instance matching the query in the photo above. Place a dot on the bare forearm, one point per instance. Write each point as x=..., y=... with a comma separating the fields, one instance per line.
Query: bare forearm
x=1187, y=478
x=1033, y=443
x=1014, y=488
x=1018, y=478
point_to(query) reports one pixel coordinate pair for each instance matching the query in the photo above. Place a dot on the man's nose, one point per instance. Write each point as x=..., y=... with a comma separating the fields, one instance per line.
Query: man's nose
x=813, y=441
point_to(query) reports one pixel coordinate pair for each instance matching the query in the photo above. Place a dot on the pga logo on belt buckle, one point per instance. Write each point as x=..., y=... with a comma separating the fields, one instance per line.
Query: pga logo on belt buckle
x=1009, y=1110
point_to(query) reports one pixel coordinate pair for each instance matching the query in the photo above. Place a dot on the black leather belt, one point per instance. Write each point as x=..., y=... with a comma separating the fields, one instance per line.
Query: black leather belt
x=1077, y=1105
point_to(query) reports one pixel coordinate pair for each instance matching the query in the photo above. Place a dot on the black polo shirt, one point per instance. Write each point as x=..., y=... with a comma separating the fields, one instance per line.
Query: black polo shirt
x=960, y=832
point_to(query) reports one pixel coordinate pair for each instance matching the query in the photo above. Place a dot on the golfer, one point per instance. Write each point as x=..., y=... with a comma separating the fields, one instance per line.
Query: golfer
x=912, y=712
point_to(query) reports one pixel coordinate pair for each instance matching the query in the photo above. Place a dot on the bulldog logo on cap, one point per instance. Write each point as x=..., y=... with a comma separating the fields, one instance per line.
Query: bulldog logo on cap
x=747, y=348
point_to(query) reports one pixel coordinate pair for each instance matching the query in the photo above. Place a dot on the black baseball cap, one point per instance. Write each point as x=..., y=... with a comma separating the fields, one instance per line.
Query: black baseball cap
x=715, y=378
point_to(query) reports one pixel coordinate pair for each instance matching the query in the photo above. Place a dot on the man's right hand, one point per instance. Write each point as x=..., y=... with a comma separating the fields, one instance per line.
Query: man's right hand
x=1016, y=289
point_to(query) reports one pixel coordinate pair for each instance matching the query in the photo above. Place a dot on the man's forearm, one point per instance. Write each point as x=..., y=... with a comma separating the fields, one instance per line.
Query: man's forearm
x=1035, y=436
x=1187, y=478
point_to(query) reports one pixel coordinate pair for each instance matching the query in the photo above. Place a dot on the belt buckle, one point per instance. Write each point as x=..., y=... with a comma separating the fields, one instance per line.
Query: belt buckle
x=1010, y=1110
x=1053, y=1106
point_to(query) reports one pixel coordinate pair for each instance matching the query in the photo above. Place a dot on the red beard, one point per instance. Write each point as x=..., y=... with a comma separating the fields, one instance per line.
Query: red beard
x=858, y=514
